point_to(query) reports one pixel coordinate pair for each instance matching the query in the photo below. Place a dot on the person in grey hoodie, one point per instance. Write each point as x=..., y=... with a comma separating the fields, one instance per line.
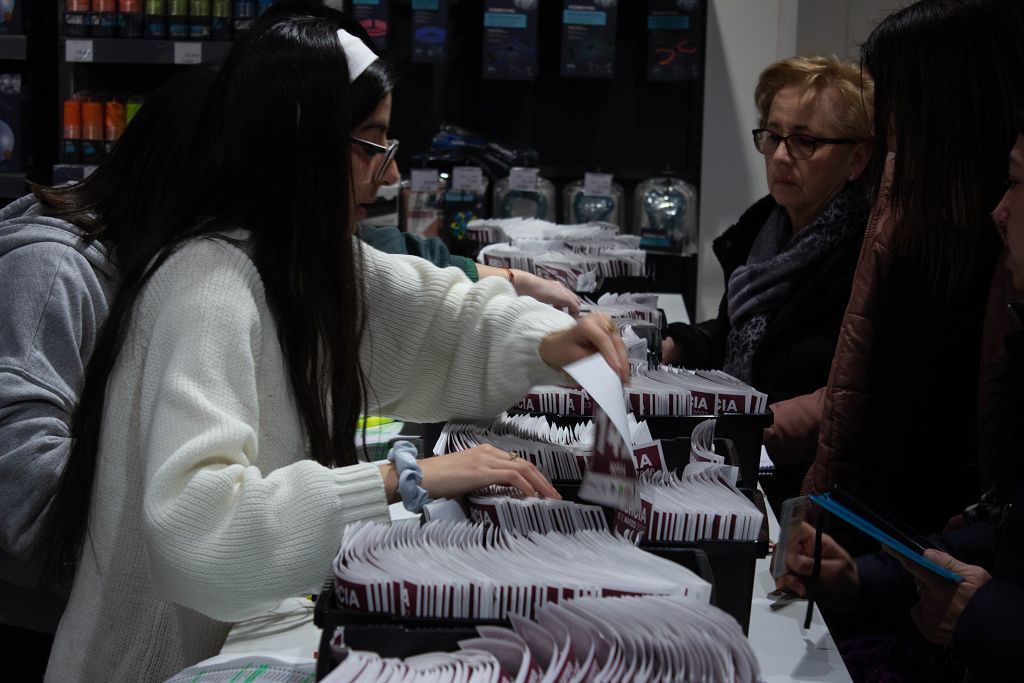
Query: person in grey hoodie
x=56, y=284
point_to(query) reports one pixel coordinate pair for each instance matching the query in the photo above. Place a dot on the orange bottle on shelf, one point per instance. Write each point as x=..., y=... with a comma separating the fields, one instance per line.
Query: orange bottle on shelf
x=114, y=122
x=92, y=131
x=72, y=149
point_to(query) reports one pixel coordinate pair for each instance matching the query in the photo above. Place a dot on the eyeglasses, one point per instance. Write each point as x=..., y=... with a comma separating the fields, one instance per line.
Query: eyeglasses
x=800, y=146
x=373, y=149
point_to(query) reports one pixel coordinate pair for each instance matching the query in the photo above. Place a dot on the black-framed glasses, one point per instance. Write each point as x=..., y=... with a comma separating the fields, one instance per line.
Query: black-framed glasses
x=800, y=146
x=373, y=149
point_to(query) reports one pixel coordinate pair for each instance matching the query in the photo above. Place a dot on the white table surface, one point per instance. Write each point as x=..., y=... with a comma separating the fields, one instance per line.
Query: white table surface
x=785, y=651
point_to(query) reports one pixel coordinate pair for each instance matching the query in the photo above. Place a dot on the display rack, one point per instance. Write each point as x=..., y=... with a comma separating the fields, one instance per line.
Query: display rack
x=12, y=185
x=29, y=54
x=142, y=51
x=14, y=48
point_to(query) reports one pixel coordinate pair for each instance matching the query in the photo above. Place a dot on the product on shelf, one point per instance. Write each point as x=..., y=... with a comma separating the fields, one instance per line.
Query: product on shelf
x=114, y=122
x=665, y=214
x=12, y=123
x=585, y=204
x=77, y=18
x=220, y=20
x=245, y=13
x=92, y=124
x=71, y=152
x=155, y=18
x=132, y=106
x=10, y=16
x=178, y=18
x=92, y=131
x=199, y=19
x=130, y=23
x=424, y=207
x=104, y=18
x=524, y=194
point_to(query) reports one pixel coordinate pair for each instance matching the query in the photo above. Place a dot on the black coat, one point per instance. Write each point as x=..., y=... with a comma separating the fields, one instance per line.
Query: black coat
x=989, y=636
x=795, y=354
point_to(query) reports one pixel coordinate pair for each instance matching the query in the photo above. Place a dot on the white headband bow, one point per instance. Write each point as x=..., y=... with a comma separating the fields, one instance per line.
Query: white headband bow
x=357, y=54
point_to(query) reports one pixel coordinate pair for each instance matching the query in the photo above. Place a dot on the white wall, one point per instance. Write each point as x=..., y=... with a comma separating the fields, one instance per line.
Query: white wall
x=743, y=37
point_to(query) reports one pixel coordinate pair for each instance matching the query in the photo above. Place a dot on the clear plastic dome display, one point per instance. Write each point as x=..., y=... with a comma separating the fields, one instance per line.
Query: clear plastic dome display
x=536, y=203
x=665, y=213
x=580, y=207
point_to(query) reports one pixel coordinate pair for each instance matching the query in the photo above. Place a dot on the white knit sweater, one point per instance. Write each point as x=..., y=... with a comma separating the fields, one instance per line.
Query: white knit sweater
x=205, y=508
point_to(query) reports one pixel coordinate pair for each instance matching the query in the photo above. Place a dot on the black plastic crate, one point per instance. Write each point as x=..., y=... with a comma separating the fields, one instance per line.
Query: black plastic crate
x=732, y=562
x=391, y=636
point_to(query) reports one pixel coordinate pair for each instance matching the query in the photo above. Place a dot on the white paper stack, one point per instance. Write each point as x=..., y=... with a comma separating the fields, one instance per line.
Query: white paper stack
x=701, y=505
x=561, y=453
x=702, y=443
x=521, y=230
x=474, y=571
x=627, y=639
x=666, y=391
x=507, y=509
x=577, y=271
x=626, y=307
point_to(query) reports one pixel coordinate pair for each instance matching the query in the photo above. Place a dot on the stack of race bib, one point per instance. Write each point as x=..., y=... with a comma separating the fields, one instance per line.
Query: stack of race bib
x=472, y=571
x=627, y=639
x=561, y=453
x=666, y=391
x=701, y=505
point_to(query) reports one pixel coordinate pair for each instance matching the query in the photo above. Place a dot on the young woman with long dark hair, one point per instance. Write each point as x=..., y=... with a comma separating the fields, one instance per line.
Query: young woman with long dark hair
x=214, y=464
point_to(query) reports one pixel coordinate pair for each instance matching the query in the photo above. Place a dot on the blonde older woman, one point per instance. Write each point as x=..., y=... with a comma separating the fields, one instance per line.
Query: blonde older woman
x=789, y=260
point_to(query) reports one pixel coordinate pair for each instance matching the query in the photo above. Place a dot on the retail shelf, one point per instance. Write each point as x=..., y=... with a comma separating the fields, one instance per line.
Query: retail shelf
x=13, y=47
x=63, y=173
x=142, y=51
x=12, y=185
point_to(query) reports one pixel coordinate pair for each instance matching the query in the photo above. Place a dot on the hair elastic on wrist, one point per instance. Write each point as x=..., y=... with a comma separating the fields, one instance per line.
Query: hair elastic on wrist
x=410, y=476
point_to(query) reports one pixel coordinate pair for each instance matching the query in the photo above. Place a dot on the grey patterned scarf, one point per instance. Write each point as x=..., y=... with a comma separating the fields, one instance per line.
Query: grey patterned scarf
x=778, y=264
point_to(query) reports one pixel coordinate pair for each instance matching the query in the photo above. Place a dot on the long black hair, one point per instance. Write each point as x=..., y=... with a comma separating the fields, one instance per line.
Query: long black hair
x=379, y=78
x=948, y=76
x=272, y=156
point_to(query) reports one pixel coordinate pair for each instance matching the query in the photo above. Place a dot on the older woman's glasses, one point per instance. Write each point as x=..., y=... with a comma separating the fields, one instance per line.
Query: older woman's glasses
x=373, y=149
x=800, y=146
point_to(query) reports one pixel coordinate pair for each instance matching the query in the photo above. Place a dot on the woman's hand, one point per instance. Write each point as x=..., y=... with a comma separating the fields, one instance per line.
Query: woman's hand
x=456, y=474
x=596, y=332
x=940, y=602
x=838, y=580
x=547, y=291
x=670, y=351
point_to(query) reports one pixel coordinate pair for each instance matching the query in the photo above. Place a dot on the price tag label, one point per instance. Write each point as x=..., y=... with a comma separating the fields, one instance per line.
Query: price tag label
x=524, y=179
x=468, y=178
x=597, y=184
x=188, y=52
x=78, y=51
x=424, y=180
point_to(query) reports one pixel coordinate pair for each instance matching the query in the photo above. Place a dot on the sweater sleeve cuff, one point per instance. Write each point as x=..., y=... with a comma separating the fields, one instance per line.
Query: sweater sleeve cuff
x=467, y=266
x=525, y=353
x=362, y=494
